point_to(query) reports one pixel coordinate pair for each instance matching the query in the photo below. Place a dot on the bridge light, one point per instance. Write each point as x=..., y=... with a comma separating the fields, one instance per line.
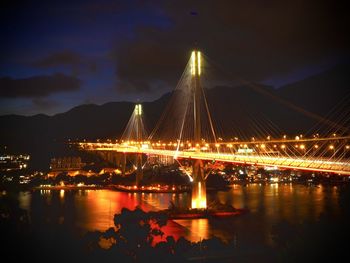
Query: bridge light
x=283, y=146
x=196, y=63
x=138, y=109
x=263, y=146
x=297, y=137
x=193, y=63
x=316, y=146
x=199, y=62
x=347, y=147
x=217, y=145
x=229, y=145
x=331, y=147
x=284, y=136
x=302, y=146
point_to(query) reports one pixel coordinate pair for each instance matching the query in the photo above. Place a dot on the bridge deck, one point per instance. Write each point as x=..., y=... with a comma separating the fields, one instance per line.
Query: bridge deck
x=298, y=163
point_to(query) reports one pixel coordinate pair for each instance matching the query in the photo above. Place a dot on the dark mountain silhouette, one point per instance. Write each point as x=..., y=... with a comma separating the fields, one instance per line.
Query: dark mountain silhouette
x=242, y=111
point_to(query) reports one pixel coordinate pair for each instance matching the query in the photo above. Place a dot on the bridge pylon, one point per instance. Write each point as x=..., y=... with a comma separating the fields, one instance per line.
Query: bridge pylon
x=199, y=196
x=138, y=116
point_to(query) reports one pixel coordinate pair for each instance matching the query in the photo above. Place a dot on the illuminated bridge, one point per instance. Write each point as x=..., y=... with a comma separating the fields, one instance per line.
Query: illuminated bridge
x=330, y=165
x=187, y=131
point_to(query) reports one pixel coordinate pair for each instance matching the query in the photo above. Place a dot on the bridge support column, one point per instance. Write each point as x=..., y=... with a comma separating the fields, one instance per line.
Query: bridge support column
x=139, y=171
x=199, y=195
x=123, y=164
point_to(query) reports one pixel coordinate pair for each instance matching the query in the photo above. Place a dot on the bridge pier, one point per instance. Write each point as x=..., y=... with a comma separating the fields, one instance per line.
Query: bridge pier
x=199, y=195
x=139, y=171
x=124, y=164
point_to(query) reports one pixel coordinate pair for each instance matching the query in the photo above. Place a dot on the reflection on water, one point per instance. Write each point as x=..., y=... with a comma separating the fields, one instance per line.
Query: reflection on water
x=198, y=228
x=62, y=194
x=268, y=205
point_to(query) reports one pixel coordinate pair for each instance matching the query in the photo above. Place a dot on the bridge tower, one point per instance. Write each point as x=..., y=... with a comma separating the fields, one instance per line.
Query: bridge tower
x=138, y=116
x=199, y=197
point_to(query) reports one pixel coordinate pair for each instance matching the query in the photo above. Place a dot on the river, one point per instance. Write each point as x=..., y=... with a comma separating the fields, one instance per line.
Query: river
x=268, y=205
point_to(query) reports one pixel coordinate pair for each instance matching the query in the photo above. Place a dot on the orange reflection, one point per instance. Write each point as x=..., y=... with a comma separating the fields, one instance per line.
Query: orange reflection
x=198, y=228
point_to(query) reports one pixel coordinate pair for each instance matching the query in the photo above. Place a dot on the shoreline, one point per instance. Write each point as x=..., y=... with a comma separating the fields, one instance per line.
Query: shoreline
x=131, y=189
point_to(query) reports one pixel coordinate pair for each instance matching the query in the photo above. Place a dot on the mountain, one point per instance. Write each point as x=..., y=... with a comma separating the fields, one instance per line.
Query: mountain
x=242, y=111
x=321, y=92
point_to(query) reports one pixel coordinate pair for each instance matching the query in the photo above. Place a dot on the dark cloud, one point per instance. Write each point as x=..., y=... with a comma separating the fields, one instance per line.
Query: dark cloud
x=76, y=62
x=130, y=86
x=38, y=86
x=64, y=58
x=252, y=39
x=43, y=104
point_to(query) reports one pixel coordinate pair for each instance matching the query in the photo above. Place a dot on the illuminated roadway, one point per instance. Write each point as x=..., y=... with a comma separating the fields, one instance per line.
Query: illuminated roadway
x=299, y=163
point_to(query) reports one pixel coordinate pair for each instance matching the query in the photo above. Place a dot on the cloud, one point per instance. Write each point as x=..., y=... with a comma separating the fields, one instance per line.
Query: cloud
x=130, y=86
x=37, y=86
x=254, y=40
x=63, y=58
x=66, y=58
x=41, y=104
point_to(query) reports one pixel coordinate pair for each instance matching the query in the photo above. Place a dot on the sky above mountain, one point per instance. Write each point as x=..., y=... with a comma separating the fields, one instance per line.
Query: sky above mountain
x=55, y=55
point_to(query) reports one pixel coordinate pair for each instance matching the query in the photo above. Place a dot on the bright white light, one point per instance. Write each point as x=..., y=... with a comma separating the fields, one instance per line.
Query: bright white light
x=193, y=63
x=199, y=62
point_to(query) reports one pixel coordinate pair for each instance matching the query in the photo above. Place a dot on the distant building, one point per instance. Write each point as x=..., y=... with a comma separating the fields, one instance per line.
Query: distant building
x=14, y=162
x=66, y=164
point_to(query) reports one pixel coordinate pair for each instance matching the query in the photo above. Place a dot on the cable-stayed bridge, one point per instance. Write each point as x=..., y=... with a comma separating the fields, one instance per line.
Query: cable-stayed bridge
x=242, y=156
x=186, y=130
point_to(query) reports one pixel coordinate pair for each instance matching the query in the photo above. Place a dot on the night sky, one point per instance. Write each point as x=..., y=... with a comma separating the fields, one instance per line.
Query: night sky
x=55, y=55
